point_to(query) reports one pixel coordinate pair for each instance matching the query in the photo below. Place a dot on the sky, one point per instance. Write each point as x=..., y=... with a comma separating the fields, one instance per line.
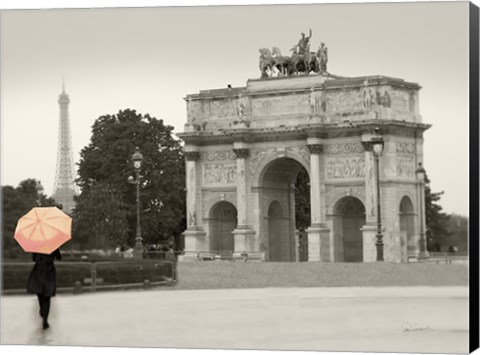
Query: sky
x=149, y=59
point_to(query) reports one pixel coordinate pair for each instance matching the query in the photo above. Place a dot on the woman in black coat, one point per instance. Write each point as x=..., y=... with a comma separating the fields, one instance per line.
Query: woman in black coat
x=43, y=281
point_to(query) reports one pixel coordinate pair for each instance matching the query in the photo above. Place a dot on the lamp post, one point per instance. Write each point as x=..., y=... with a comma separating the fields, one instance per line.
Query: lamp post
x=137, y=158
x=377, y=145
x=420, y=172
x=40, y=190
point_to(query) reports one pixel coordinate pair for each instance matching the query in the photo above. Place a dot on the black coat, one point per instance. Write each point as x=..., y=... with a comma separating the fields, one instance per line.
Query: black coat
x=43, y=277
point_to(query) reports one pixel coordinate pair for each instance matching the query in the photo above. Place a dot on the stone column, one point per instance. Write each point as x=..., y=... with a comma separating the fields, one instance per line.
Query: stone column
x=293, y=254
x=369, y=230
x=243, y=230
x=194, y=233
x=318, y=234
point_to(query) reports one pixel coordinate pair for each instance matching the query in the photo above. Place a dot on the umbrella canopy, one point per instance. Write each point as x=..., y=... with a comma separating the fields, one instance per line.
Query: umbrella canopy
x=43, y=229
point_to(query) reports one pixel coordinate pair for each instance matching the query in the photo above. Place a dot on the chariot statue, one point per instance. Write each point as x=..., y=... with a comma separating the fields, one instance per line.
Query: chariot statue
x=301, y=62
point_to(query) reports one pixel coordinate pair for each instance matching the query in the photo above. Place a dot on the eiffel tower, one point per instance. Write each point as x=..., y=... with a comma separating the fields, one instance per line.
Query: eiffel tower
x=64, y=188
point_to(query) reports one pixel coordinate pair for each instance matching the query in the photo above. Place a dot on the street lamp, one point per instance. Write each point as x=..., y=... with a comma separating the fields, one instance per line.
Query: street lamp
x=40, y=190
x=137, y=158
x=420, y=172
x=377, y=145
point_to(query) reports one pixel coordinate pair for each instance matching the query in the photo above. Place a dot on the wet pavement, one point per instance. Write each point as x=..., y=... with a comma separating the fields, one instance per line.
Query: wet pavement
x=368, y=319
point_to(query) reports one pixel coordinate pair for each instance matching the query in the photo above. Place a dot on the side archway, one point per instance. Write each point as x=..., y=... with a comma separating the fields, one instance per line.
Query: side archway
x=223, y=220
x=278, y=233
x=349, y=218
x=407, y=228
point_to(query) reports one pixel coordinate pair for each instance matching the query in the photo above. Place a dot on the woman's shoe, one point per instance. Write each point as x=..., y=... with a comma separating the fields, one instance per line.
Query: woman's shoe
x=45, y=324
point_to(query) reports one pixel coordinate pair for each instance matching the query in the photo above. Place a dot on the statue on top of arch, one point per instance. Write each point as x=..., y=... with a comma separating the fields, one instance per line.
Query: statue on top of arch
x=301, y=62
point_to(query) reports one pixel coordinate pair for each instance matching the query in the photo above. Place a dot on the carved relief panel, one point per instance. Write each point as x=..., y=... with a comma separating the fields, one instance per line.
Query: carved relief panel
x=218, y=155
x=219, y=173
x=405, y=160
x=358, y=100
x=338, y=101
x=405, y=167
x=223, y=109
x=218, y=167
x=280, y=105
x=344, y=160
x=195, y=112
x=343, y=148
x=345, y=168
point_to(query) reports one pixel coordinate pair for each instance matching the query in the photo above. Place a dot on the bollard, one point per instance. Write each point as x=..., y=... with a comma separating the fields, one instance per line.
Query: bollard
x=77, y=288
x=146, y=284
x=93, y=272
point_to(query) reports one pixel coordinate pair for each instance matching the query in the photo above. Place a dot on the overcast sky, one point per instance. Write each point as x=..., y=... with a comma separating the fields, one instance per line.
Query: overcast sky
x=148, y=59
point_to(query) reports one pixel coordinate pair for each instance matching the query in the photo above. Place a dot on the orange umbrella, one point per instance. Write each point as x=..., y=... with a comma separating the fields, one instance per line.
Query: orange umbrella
x=43, y=229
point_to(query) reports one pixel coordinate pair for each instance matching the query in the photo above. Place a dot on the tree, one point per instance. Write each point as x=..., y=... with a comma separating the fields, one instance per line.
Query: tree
x=437, y=221
x=458, y=227
x=302, y=200
x=103, y=205
x=16, y=203
x=107, y=160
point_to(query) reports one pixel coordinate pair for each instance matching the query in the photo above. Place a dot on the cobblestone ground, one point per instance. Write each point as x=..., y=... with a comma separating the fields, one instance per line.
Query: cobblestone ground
x=368, y=319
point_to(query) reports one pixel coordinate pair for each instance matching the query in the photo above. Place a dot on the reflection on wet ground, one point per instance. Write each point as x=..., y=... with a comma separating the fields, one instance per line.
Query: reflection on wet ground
x=348, y=319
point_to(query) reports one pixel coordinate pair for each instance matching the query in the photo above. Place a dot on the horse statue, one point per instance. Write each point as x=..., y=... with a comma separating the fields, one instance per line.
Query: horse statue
x=282, y=63
x=266, y=62
x=303, y=63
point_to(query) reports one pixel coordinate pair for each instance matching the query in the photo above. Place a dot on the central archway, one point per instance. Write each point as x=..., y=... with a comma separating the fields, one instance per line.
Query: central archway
x=223, y=220
x=279, y=208
x=279, y=241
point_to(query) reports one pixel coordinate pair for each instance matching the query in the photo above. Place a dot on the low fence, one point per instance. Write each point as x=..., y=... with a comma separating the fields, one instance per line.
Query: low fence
x=95, y=275
x=441, y=258
x=228, y=255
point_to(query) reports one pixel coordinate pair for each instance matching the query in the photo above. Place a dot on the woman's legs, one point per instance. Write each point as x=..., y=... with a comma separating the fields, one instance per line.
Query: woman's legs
x=44, y=302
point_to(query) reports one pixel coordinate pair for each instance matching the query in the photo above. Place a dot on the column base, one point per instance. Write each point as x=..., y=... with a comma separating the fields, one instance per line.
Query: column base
x=241, y=236
x=194, y=238
x=369, y=235
x=318, y=243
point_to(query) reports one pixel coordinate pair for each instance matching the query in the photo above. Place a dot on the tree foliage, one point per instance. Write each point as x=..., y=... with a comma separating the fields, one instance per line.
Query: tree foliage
x=437, y=221
x=106, y=163
x=458, y=228
x=16, y=203
x=101, y=203
x=302, y=201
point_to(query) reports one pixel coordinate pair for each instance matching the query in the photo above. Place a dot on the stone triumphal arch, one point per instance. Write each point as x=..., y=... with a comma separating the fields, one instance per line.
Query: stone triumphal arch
x=245, y=146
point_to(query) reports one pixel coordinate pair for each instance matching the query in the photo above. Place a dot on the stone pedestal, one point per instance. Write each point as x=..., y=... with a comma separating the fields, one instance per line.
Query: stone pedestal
x=369, y=235
x=318, y=243
x=241, y=237
x=193, y=241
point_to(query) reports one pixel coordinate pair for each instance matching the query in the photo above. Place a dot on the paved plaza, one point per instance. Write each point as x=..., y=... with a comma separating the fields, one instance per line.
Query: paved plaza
x=369, y=319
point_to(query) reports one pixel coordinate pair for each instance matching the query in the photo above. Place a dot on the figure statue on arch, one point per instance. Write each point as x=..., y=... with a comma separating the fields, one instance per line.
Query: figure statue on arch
x=304, y=42
x=322, y=55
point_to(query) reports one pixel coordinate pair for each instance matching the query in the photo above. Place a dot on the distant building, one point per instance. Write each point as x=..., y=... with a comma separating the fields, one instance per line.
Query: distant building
x=64, y=188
